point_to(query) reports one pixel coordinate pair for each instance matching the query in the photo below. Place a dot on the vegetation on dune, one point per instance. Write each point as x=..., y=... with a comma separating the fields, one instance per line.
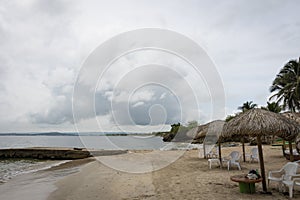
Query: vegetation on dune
x=178, y=132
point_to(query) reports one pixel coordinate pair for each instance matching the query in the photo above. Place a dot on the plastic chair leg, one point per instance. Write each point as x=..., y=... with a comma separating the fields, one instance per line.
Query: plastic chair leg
x=291, y=191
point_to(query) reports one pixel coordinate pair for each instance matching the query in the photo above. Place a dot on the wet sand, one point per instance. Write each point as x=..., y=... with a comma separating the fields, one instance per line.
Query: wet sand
x=39, y=185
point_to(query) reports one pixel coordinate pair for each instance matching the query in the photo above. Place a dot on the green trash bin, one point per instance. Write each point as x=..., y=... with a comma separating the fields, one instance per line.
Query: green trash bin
x=248, y=188
x=246, y=185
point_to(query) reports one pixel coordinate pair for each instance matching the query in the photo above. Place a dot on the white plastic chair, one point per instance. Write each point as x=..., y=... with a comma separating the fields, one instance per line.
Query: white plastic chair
x=214, y=160
x=254, y=155
x=232, y=159
x=213, y=154
x=291, y=183
x=284, y=174
x=295, y=152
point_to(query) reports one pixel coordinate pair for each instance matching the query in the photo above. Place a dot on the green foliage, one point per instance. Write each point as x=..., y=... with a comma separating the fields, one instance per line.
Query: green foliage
x=273, y=107
x=248, y=105
x=174, y=128
x=178, y=129
x=229, y=117
x=287, y=87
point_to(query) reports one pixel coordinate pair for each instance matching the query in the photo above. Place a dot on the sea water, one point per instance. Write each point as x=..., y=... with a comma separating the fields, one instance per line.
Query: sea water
x=90, y=142
x=10, y=168
x=13, y=167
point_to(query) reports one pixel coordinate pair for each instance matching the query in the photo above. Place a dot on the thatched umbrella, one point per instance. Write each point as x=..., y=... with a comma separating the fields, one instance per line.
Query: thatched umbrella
x=201, y=134
x=211, y=133
x=255, y=123
x=215, y=127
x=296, y=117
x=292, y=115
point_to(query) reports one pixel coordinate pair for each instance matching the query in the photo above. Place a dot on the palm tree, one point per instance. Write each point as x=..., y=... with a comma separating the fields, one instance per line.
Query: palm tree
x=273, y=107
x=286, y=85
x=248, y=105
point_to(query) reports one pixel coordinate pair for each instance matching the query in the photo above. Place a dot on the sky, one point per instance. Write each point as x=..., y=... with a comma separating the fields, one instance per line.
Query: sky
x=47, y=45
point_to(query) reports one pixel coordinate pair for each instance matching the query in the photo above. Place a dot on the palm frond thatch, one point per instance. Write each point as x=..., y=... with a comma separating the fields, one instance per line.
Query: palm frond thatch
x=214, y=127
x=256, y=122
x=296, y=117
x=292, y=115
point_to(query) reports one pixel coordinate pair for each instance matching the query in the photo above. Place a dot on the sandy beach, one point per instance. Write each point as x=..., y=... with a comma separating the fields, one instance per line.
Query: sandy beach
x=188, y=177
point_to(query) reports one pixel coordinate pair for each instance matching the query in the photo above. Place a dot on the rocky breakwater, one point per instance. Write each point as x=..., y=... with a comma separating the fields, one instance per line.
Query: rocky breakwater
x=46, y=153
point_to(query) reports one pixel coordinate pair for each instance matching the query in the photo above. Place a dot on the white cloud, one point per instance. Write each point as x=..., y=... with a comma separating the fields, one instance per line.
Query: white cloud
x=139, y=103
x=162, y=96
x=142, y=96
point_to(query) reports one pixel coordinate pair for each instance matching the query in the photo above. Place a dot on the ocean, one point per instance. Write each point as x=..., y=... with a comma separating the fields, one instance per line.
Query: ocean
x=10, y=168
x=130, y=142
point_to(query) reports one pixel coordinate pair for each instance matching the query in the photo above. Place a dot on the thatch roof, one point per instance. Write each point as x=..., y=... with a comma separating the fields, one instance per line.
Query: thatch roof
x=214, y=127
x=292, y=115
x=193, y=132
x=296, y=117
x=256, y=122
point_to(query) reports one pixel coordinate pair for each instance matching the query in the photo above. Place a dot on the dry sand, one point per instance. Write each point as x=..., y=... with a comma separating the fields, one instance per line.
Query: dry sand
x=187, y=178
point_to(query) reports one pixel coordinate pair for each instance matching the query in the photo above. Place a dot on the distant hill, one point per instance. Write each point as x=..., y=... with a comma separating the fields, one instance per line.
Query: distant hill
x=39, y=134
x=72, y=134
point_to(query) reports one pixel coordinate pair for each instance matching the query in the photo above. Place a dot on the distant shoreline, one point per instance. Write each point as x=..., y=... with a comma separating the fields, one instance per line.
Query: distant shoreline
x=77, y=134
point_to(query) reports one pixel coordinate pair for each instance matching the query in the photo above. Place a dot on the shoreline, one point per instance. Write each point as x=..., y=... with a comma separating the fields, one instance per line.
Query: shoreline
x=39, y=184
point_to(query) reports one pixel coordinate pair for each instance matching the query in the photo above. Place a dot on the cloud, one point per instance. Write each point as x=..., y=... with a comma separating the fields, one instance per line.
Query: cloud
x=44, y=43
x=140, y=103
x=142, y=96
x=162, y=96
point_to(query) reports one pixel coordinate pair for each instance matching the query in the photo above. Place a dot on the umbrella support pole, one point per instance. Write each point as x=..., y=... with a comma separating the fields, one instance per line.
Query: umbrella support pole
x=261, y=162
x=243, y=146
x=220, y=153
x=291, y=152
x=204, y=149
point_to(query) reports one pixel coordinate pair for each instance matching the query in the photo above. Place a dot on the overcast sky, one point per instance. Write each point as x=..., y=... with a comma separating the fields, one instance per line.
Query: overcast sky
x=45, y=43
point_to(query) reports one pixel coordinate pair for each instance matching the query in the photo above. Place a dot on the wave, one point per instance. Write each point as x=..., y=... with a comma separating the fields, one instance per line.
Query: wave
x=180, y=146
x=10, y=168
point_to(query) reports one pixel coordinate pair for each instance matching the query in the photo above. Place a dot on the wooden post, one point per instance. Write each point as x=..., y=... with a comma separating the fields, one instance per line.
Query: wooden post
x=291, y=152
x=243, y=145
x=283, y=147
x=204, y=149
x=261, y=162
x=283, y=153
x=220, y=154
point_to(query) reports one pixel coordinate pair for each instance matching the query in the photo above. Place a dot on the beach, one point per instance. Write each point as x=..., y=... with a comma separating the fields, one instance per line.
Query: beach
x=189, y=177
